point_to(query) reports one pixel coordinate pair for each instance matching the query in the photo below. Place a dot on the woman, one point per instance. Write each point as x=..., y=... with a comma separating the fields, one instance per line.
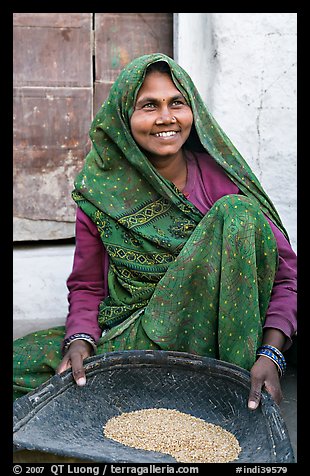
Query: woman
x=178, y=247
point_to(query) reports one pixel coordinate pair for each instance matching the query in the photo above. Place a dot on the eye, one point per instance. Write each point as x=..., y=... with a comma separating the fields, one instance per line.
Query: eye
x=177, y=102
x=149, y=105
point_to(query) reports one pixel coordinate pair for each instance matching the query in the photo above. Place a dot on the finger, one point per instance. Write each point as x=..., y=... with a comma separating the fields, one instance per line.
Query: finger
x=275, y=392
x=78, y=370
x=65, y=364
x=255, y=394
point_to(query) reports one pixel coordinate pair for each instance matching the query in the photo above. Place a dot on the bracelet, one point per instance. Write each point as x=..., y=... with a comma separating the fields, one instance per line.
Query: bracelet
x=280, y=371
x=276, y=351
x=275, y=355
x=80, y=336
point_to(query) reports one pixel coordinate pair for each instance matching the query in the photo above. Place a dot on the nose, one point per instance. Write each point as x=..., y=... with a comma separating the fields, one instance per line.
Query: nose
x=165, y=117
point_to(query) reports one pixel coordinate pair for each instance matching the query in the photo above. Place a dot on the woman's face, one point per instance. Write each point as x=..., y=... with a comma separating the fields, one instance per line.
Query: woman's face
x=162, y=120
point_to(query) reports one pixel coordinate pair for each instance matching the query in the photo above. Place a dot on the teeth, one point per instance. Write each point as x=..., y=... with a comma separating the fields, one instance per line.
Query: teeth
x=165, y=134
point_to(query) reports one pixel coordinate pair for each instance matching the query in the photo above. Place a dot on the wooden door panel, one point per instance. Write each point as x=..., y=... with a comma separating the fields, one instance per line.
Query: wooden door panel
x=50, y=143
x=121, y=37
x=52, y=110
x=52, y=49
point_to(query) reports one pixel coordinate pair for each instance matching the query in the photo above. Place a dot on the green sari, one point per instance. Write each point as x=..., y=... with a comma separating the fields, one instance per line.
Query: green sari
x=177, y=280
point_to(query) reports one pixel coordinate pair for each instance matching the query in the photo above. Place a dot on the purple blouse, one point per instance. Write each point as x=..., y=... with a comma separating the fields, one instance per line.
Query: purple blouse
x=206, y=183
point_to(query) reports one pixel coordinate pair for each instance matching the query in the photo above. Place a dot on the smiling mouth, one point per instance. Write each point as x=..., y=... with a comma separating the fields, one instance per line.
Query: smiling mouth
x=165, y=134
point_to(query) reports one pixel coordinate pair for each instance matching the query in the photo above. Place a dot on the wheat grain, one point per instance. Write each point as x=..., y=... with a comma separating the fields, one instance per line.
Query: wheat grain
x=186, y=438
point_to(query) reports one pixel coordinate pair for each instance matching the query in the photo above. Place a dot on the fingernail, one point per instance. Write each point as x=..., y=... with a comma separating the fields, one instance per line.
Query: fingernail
x=252, y=405
x=81, y=381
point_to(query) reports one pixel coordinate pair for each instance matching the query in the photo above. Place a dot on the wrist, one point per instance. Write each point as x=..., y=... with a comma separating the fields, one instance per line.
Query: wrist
x=273, y=354
x=79, y=336
x=274, y=337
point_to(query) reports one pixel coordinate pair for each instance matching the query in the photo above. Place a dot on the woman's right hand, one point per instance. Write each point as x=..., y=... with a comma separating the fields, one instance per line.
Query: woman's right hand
x=78, y=351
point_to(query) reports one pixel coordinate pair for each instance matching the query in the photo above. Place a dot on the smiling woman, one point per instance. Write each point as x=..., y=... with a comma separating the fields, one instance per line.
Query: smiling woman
x=161, y=124
x=178, y=246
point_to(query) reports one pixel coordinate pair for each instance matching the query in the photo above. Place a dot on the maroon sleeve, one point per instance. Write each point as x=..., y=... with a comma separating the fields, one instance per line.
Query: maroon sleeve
x=282, y=310
x=87, y=283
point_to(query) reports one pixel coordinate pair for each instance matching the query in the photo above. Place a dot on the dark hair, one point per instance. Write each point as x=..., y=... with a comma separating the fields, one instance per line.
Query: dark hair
x=160, y=66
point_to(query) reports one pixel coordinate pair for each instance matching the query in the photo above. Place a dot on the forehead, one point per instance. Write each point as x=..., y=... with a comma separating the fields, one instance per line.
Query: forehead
x=157, y=84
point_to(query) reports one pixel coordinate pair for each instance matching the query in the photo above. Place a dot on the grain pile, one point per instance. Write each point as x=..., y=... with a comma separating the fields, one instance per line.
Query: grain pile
x=186, y=438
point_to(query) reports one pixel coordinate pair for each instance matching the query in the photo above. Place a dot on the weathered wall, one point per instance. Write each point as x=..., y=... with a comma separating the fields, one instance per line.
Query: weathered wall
x=39, y=286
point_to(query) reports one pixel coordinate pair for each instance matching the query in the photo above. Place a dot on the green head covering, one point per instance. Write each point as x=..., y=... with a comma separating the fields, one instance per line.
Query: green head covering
x=142, y=218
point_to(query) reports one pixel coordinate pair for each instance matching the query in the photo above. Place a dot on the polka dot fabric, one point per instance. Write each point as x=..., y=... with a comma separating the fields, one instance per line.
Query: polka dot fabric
x=212, y=300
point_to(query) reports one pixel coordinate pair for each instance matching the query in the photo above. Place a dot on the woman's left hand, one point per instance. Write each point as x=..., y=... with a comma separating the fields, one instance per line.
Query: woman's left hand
x=264, y=373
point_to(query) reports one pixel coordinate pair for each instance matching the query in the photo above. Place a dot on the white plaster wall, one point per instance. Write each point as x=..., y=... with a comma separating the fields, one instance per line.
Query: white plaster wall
x=192, y=41
x=245, y=67
x=39, y=286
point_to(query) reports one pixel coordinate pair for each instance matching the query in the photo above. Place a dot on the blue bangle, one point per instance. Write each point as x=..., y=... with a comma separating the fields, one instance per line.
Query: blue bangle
x=275, y=355
x=275, y=350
